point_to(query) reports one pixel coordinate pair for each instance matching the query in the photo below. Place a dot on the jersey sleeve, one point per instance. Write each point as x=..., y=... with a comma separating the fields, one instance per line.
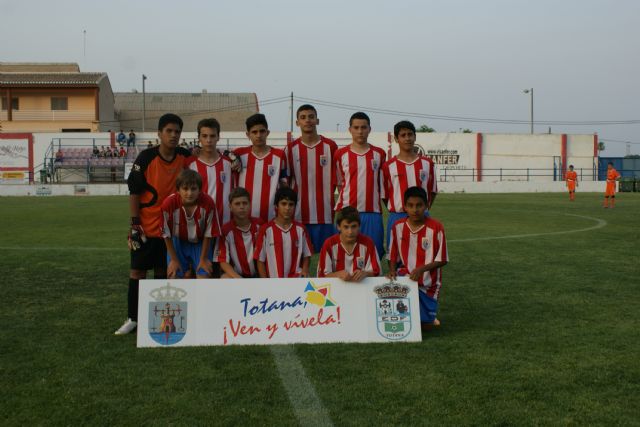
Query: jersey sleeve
x=325, y=265
x=373, y=260
x=307, y=249
x=136, y=181
x=222, y=250
x=433, y=182
x=442, y=254
x=260, y=254
x=385, y=180
x=167, y=218
x=393, y=246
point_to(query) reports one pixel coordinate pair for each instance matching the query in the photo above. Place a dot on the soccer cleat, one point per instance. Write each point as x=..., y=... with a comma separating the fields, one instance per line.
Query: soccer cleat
x=127, y=327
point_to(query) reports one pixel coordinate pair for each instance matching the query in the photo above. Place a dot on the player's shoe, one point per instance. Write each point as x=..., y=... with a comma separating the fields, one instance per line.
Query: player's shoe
x=127, y=327
x=429, y=326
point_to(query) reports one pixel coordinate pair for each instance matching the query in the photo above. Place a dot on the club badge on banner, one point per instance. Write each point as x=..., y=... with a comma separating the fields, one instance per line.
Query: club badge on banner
x=176, y=313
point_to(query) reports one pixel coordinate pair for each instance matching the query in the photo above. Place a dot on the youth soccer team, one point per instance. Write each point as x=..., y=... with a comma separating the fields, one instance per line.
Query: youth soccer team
x=260, y=211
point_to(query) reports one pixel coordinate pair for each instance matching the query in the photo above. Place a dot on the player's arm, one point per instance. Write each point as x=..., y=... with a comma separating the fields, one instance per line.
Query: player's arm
x=174, y=263
x=417, y=272
x=432, y=199
x=229, y=270
x=205, y=263
x=305, y=267
x=393, y=269
x=262, y=269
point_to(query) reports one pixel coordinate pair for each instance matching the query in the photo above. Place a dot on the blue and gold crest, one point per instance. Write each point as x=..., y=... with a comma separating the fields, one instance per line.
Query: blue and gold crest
x=423, y=175
x=375, y=164
x=271, y=170
x=425, y=243
x=223, y=177
x=392, y=311
x=323, y=161
x=168, y=315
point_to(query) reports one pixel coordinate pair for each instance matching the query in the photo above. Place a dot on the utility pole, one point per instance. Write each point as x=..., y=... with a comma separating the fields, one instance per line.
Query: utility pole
x=291, y=107
x=144, y=102
x=531, y=92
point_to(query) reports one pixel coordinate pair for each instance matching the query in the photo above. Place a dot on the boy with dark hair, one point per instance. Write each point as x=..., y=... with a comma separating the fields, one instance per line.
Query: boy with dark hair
x=312, y=176
x=238, y=238
x=418, y=243
x=263, y=168
x=349, y=255
x=610, y=192
x=189, y=224
x=152, y=179
x=283, y=248
x=407, y=169
x=214, y=167
x=572, y=182
x=359, y=179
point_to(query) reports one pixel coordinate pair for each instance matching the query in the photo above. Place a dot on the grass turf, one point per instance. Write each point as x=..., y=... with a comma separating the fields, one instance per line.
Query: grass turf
x=536, y=330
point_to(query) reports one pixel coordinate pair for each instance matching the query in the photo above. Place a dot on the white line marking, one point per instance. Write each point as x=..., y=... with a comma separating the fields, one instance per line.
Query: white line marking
x=600, y=223
x=305, y=402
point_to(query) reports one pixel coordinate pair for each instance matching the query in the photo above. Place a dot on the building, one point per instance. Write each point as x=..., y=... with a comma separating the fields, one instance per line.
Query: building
x=230, y=109
x=54, y=97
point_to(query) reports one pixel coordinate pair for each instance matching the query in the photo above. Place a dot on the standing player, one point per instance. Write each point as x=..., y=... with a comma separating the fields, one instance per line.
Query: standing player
x=152, y=179
x=407, y=169
x=610, y=192
x=214, y=167
x=349, y=255
x=312, y=176
x=283, y=248
x=190, y=222
x=238, y=239
x=359, y=179
x=572, y=182
x=263, y=168
x=419, y=244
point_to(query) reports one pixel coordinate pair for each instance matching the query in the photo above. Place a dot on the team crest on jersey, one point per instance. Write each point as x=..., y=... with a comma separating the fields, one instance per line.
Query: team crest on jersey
x=392, y=311
x=423, y=175
x=375, y=164
x=223, y=177
x=425, y=243
x=167, y=315
x=323, y=161
x=271, y=170
x=360, y=263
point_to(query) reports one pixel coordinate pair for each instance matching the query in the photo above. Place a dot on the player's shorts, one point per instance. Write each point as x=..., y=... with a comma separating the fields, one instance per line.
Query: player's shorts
x=151, y=255
x=188, y=256
x=371, y=226
x=318, y=233
x=428, y=308
x=611, y=189
x=571, y=185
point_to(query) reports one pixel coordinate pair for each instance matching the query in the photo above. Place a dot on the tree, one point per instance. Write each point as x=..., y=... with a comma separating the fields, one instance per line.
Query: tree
x=600, y=146
x=426, y=129
x=467, y=130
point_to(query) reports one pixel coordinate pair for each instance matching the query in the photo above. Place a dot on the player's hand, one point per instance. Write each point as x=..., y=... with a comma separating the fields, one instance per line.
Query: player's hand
x=173, y=268
x=136, y=236
x=391, y=275
x=416, y=274
x=206, y=265
x=342, y=274
x=304, y=272
x=358, y=276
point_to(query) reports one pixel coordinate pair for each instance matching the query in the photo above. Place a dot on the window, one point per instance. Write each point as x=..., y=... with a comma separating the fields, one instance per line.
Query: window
x=59, y=103
x=14, y=103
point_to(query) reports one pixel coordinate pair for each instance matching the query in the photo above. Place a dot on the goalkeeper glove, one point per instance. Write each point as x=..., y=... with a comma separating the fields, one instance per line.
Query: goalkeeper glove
x=136, y=236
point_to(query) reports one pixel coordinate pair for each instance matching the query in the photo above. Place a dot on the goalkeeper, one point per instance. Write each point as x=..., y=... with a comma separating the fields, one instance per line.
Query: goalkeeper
x=152, y=179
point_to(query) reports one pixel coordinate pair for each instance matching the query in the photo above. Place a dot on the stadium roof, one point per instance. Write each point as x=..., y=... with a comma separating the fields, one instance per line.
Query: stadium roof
x=187, y=102
x=39, y=67
x=47, y=79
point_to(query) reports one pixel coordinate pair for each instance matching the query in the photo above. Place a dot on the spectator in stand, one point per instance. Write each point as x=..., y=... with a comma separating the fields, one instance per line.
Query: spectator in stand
x=96, y=152
x=59, y=156
x=122, y=152
x=103, y=152
x=150, y=144
x=131, y=141
x=121, y=139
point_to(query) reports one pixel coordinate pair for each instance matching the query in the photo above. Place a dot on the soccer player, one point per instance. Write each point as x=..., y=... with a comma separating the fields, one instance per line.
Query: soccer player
x=283, y=248
x=572, y=182
x=152, y=179
x=610, y=192
x=189, y=222
x=418, y=242
x=348, y=255
x=407, y=169
x=359, y=179
x=238, y=238
x=263, y=168
x=214, y=167
x=312, y=176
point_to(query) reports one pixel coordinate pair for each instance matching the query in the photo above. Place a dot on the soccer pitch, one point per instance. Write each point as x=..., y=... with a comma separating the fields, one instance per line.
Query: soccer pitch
x=540, y=325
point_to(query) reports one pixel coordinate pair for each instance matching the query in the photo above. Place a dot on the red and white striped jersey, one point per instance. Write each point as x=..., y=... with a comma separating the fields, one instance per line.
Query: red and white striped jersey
x=334, y=257
x=236, y=247
x=359, y=178
x=176, y=223
x=282, y=250
x=261, y=176
x=311, y=173
x=398, y=175
x=418, y=248
x=217, y=181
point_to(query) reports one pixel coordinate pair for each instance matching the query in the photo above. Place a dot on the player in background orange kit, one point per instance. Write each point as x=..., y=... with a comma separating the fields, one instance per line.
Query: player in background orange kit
x=572, y=182
x=610, y=193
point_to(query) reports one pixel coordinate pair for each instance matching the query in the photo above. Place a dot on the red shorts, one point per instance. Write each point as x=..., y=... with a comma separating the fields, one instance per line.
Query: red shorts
x=611, y=188
x=571, y=185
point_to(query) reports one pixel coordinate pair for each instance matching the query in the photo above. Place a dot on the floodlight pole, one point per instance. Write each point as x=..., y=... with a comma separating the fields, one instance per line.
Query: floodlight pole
x=291, y=112
x=531, y=92
x=144, y=106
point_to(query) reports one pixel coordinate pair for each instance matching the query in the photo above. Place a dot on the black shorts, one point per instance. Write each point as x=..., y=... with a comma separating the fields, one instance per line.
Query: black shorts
x=152, y=255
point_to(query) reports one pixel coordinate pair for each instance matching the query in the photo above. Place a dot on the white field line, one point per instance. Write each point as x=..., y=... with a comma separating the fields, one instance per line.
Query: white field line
x=599, y=224
x=306, y=404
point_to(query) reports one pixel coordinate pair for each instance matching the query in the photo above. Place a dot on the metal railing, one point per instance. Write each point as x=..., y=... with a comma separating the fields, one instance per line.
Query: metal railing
x=52, y=115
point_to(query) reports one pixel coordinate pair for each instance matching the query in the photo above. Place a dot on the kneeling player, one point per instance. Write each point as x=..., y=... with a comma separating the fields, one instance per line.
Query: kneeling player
x=189, y=223
x=418, y=242
x=283, y=248
x=349, y=255
x=238, y=239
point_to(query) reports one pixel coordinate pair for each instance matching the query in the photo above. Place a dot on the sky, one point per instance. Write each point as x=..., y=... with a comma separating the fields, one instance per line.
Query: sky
x=468, y=61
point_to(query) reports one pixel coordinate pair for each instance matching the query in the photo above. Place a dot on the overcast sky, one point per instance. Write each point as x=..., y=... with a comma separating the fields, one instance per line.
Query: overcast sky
x=467, y=59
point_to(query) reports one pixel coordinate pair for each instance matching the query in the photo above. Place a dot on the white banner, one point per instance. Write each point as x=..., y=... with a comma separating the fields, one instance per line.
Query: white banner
x=276, y=311
x=14, y=153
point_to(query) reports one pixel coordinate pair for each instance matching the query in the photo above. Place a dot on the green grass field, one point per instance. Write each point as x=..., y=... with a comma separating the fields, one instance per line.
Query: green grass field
x=538, y=329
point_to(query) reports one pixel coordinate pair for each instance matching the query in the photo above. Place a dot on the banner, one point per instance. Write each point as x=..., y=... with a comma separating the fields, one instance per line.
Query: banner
x=174, y=313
